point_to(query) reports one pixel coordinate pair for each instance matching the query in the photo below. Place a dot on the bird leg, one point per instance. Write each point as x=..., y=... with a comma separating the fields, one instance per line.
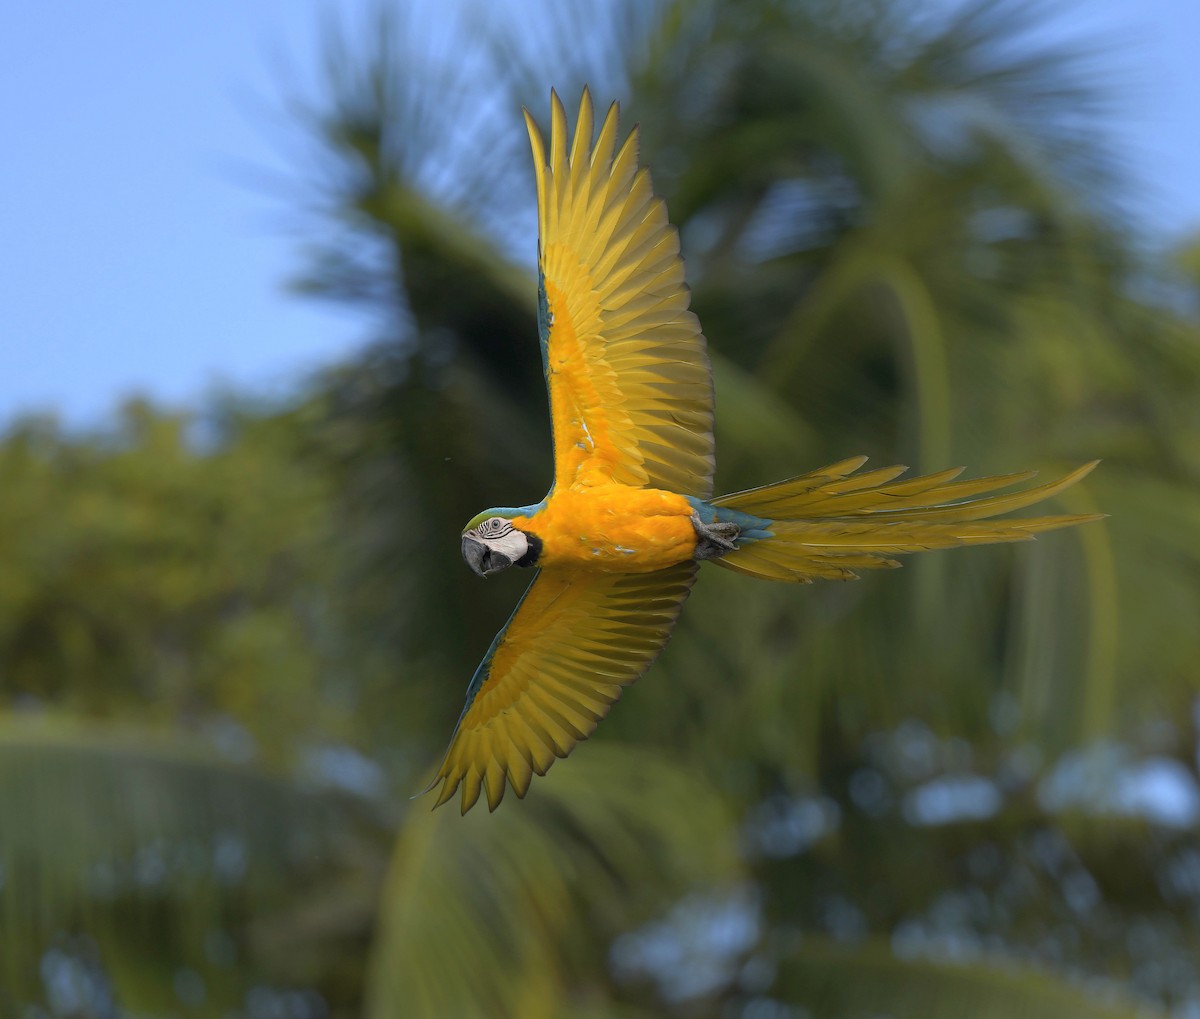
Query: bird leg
x=715, y=539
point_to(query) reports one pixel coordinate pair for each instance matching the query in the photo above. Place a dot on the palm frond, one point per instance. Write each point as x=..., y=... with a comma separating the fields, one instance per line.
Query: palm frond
x=608, y=840
x=870, y=979
x=95, y=817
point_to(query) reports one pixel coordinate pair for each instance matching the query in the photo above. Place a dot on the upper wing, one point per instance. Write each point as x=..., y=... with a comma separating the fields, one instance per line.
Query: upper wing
x=552, y=673
x=629, y=380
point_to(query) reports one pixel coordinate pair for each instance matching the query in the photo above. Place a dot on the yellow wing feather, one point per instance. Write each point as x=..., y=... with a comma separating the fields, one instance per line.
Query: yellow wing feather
x=626, y=368
x=575, y=640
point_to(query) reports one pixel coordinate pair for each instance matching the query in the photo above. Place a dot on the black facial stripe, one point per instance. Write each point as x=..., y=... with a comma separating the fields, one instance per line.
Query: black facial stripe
x=530, y=557
x=495, y=527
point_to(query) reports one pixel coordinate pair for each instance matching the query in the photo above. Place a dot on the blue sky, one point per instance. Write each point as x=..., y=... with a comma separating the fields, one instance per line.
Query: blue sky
x=135, y=257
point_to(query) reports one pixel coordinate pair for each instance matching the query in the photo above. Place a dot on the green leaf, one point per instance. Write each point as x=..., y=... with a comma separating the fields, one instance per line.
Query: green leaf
x=104, y=820
x=869, y=980
x=500, y=914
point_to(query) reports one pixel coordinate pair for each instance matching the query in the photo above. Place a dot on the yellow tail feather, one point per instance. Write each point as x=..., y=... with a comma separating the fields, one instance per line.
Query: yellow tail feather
x=832, y=522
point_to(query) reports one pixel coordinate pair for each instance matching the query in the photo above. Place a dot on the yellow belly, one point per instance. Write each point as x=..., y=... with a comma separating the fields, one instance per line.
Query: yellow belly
x=613, y=529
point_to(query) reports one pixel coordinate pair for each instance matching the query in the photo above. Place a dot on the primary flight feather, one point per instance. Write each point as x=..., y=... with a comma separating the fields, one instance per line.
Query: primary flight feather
x=619, y=538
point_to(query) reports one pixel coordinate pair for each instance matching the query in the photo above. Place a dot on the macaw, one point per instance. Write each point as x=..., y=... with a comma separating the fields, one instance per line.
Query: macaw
x=618, y=540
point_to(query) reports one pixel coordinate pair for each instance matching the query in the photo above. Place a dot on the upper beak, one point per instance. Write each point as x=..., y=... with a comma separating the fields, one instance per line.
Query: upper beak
x=473, y=552
x=482, y=560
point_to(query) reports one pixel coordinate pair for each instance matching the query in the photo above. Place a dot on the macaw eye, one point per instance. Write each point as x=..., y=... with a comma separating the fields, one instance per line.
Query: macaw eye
x=494, y=527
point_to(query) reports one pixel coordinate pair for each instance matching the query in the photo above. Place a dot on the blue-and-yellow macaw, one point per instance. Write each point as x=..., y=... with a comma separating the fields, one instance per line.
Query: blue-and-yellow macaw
x=619, y=538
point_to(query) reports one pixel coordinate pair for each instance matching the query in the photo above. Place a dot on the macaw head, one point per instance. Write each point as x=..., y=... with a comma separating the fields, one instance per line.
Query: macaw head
x=490, y=543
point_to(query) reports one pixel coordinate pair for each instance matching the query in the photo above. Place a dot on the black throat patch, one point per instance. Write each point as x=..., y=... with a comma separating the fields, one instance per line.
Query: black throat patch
x=530, y=557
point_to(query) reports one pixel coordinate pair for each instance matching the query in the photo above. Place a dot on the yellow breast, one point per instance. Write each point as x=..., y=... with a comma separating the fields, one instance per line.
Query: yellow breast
x=613, y=528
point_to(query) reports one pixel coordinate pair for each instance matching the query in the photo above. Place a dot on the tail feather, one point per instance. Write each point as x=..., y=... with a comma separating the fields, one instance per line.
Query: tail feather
x=919, y=493
x=832, y=522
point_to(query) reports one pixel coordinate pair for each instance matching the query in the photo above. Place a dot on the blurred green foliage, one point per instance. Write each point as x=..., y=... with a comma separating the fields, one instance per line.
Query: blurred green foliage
x=233, y=642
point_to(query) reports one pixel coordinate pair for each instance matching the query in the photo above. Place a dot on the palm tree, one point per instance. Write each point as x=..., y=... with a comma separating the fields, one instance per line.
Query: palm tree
x=900, y=234
x=917, y=795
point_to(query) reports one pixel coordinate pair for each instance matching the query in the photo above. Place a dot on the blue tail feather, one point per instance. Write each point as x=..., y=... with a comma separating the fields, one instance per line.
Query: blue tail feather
x=752, y=528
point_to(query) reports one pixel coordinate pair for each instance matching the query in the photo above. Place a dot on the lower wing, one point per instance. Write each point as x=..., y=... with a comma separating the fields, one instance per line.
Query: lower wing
x=575, y=640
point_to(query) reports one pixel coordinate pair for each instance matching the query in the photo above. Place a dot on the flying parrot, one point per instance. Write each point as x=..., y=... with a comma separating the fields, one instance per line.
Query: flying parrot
x=618, y=540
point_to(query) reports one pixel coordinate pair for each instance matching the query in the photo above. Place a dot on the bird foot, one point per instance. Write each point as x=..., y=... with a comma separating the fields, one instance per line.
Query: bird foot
x=716, y=539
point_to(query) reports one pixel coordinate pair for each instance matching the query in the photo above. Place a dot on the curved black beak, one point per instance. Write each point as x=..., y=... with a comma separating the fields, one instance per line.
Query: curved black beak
x=473, y=552
x=483, y=560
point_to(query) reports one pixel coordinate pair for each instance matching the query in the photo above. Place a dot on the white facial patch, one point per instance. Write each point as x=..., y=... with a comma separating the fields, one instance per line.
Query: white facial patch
x=500, y=536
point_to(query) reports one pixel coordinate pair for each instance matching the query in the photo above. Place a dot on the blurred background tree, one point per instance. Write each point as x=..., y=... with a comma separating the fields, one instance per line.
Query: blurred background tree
x=233, y=642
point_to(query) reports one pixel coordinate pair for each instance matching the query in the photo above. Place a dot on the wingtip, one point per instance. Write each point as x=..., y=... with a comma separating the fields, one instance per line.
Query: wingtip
x=444, y=794
x=428, y=788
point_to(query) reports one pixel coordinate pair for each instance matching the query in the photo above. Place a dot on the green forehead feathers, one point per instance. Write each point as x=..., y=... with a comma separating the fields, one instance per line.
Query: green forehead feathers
x=479, y=518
